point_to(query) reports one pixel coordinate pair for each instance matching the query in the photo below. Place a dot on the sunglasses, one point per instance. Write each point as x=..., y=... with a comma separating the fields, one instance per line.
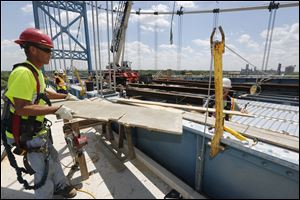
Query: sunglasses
x=46, y=50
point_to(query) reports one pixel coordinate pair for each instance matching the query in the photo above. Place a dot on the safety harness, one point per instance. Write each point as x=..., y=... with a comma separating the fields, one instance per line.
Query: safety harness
x=24, y=130
x=229, y=105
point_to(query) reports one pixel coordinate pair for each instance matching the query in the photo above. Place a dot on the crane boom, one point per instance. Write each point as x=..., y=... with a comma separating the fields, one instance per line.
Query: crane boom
x=118, y=39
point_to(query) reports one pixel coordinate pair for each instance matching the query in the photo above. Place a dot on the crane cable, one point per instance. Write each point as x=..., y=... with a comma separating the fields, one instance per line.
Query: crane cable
x=95, y=48
x=227, y=47
x=139, y=39
x=202, y=151
x=272, y=6
x=179, y=48
x=171, y=30
x=272, y=29
x=155, y=42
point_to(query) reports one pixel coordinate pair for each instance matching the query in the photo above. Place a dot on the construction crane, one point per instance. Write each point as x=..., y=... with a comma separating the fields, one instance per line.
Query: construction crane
x=123, y=70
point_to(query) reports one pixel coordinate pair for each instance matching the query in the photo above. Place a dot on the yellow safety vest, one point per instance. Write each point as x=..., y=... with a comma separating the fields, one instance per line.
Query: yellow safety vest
x=61, y=80
x=22, y=84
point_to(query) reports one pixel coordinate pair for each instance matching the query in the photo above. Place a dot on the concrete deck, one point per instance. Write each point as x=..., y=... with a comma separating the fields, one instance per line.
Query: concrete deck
x=109, y=177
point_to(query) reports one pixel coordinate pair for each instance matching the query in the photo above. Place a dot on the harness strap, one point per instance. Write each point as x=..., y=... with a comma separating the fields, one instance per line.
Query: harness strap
x=35, y=74
x=27, y=165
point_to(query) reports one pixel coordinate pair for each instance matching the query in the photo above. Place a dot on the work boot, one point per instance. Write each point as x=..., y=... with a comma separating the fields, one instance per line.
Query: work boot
x=68, y=192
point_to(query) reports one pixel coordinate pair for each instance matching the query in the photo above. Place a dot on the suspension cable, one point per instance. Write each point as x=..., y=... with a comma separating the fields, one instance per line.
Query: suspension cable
x=99, y=53
x=139, y=41
x=107, y=29
x=51, y=34
x=46, y=27
x=113, y=53
x=61, y=37
x=267, y=40
x=95, y=49
x=272, y=9
x=70, y=47
x=270, y=42
x=56, y=32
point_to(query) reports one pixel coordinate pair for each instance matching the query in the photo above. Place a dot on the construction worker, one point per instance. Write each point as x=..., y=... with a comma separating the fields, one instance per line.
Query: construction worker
x=27, y=96
x=46, y=80
x=60, y=82
x=228, y=101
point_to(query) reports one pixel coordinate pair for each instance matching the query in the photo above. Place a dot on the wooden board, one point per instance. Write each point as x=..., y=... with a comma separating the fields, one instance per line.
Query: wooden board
x=196, y=108
x=148, y=118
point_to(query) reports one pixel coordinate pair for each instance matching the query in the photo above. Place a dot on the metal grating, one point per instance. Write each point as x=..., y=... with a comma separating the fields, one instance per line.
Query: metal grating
x=275, y=117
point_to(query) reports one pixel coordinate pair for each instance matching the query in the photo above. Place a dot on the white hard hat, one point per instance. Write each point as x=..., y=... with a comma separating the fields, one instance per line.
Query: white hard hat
x=61, y=71
x=227, y=83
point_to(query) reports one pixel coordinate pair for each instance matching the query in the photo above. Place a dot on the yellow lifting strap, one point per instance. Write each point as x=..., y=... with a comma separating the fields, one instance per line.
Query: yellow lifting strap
x=82, y=91
x=217, y=50
x=235, y=133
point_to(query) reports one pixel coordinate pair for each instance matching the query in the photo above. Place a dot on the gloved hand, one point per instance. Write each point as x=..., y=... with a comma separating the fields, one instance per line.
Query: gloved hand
x=65, y=113
x=71, y=97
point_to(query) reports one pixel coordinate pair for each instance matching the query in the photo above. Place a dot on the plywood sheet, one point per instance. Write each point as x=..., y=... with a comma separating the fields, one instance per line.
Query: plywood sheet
x=148, y=118
x=153, y=119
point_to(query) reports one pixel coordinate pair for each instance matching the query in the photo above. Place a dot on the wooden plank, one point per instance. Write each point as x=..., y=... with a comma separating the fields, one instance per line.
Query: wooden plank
x=153, y=120
x=82, y=164
x=80, y=158
x=270, y=137
x=196, y=108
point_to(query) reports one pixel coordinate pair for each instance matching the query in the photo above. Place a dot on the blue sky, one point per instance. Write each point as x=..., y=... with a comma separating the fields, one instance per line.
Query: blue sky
x=245, y=32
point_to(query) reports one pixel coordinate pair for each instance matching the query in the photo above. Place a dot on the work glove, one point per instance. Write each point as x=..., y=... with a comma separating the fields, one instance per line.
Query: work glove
x=65, y=113
x=71, y=97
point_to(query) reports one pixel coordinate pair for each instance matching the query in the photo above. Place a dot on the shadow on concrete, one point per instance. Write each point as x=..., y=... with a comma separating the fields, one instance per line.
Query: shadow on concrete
x=121, y=182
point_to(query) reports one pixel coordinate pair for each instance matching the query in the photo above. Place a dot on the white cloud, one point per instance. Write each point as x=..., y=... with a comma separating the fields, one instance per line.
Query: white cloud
x=11, y=56
x=202, y=43
x=188, y=50
x=246, y=40
x=27, y=8
x=7, y=43
x=148, y=22
x=167, y=46
x=186, y=4
x=285, y=45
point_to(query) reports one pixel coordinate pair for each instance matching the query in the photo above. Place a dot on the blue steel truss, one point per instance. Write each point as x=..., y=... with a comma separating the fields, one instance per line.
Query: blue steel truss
x=71, y=6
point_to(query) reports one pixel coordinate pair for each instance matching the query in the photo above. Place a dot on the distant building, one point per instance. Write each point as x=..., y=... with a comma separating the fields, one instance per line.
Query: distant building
x=289, y=69
x=250, y=71
x=279, y=69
